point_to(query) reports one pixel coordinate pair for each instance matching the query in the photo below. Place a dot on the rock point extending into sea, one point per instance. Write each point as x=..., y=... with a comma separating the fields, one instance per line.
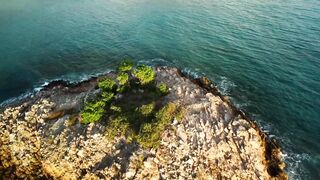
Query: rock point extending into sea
x=42, y=137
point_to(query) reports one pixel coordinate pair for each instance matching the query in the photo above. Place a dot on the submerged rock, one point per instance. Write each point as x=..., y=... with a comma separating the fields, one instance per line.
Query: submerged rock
x=43, y=138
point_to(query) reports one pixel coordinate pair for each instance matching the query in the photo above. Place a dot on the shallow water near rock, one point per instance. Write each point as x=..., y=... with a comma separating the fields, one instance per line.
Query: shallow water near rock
x=265, y=55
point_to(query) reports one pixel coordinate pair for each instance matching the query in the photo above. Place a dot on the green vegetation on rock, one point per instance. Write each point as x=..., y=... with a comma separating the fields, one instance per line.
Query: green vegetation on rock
x=138, y=112
x=144, y=74
x=147, y=109
x=92, y=112
x=150, y=133
x=115, y=108
x=123, y=78
x=163, y=89
x=143, y=124
x=107, y=96
x=125, y=66
x=117, y=127
x=181, y=114
x=107, y=84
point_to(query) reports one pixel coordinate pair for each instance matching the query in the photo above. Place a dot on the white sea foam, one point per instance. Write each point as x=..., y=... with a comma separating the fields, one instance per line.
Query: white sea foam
x=225, y=85
x=156, y=62
x=192, y=72
x=295, y=168
x=16, y=99
x=71, y=78
x=293, y=161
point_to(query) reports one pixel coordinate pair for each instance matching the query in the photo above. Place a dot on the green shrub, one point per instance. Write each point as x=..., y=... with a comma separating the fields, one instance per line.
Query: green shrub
x=163, y=89
x=117, y=126
x=150, y=133
x=122, y=88
x=150, y=129
x=144, y=74
x=130, y=117
x=123, y=78
x=181, y=113
x=107, y=84
x=125, y=66
x=92, y=112
x=107, y=96
x=147, y=109
x=115, y=108
x=166, y=115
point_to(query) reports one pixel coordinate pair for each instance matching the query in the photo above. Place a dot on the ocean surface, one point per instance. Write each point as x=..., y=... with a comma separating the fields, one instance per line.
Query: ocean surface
x=264, y=54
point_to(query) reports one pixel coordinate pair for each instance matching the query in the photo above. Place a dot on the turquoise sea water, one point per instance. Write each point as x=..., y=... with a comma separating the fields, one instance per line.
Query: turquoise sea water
x=264, y=54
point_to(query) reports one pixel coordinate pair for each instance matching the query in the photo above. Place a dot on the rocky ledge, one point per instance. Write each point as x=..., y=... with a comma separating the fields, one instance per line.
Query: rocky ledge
x=42, y=137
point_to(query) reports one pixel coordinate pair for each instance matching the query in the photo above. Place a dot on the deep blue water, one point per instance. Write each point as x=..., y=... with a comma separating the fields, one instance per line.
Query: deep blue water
x=264, y=54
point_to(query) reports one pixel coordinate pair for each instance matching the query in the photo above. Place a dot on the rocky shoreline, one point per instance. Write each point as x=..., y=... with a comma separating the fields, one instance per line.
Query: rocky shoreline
x=42, y=137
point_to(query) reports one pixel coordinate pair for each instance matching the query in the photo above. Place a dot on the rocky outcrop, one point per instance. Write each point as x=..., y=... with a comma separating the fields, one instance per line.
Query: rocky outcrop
x=42, y=138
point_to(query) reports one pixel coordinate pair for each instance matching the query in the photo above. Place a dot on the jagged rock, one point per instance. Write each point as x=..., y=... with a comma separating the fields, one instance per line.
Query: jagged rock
x=54, y=115
x=212, y=140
